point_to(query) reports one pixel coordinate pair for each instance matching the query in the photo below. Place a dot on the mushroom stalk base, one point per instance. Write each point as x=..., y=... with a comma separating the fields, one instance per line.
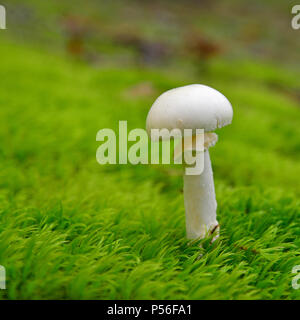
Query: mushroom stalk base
x=200, y=202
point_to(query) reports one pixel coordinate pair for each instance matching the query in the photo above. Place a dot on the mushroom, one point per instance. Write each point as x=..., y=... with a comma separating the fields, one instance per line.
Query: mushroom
x=194, y=107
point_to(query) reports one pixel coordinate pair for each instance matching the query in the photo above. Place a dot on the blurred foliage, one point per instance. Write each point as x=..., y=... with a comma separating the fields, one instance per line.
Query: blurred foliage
x=165, y=32
x=70, y=228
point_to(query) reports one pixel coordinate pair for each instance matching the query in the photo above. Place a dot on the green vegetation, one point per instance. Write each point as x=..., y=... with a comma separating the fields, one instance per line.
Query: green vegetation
x=70, y=228
x=73, y=229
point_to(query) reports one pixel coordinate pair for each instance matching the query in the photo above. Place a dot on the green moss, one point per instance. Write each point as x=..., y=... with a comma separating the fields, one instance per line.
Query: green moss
x=70, y=228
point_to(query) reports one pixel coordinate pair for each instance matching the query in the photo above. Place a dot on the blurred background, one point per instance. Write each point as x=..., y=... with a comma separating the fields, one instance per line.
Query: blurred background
x=172, y=34
x=70, y=228
x=132, y=51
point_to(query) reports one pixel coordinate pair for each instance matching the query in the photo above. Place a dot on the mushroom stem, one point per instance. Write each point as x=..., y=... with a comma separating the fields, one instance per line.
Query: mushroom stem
x=200, y=202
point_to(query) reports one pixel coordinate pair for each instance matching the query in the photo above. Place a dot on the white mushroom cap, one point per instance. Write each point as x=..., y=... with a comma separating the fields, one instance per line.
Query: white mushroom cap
x=195, y=106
